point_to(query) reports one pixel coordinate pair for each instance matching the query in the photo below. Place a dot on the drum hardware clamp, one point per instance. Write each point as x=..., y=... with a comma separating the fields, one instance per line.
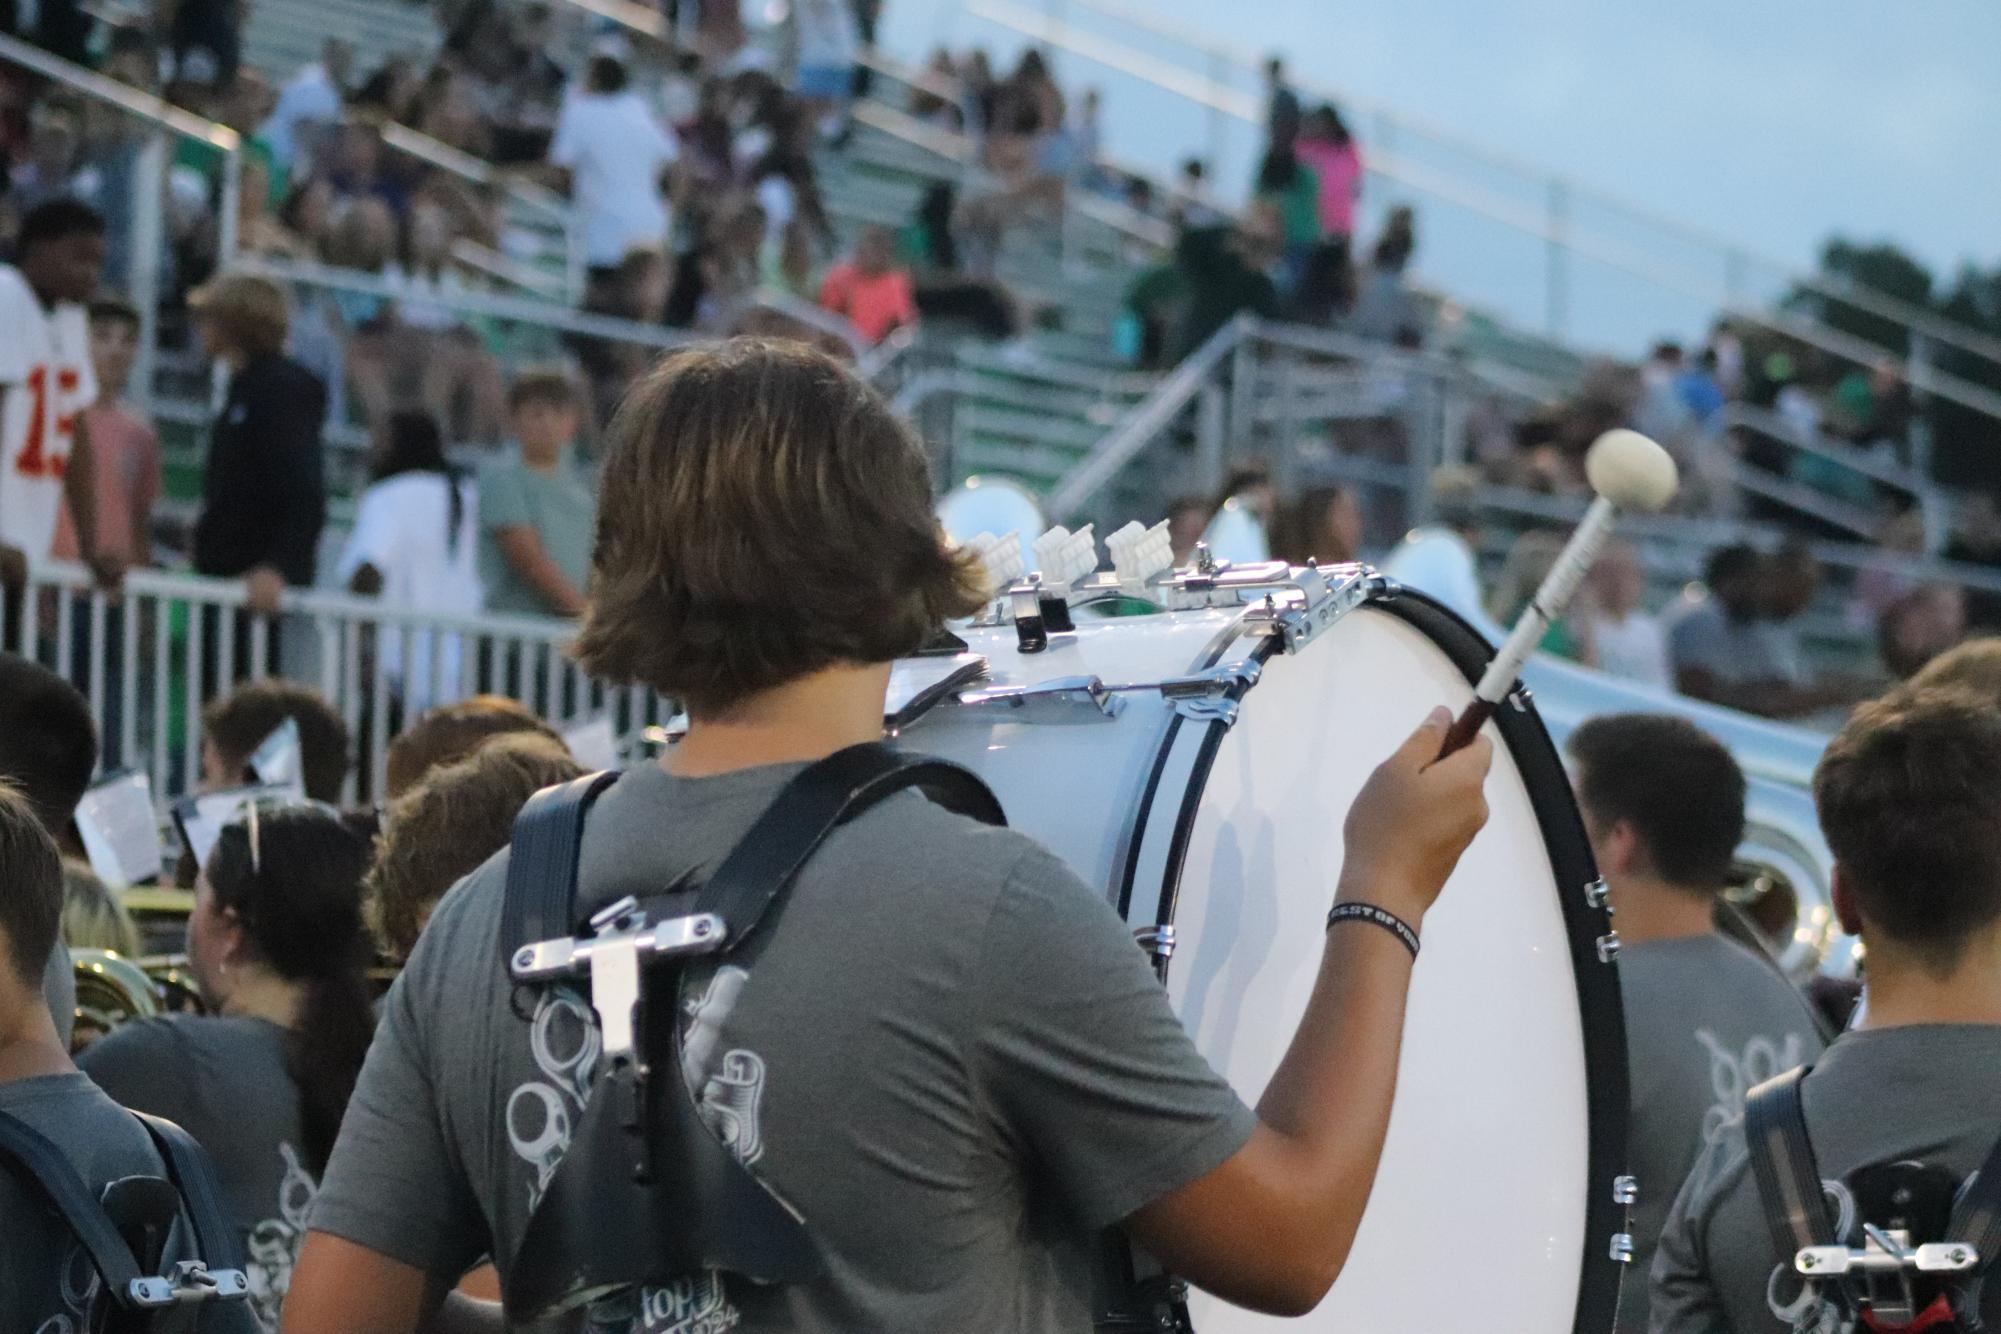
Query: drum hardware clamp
x=1157, y=941
x=1625, y=1189
x=1622, y=1248
x=1206, y=695
x=1597, y=894
x=1608, y=947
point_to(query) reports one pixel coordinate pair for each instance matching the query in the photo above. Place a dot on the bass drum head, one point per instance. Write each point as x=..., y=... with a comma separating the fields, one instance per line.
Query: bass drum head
x=990, y=505
x=1493, y=1209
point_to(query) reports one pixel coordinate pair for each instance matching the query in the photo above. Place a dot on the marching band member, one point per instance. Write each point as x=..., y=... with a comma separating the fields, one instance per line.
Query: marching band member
x=953, y=1060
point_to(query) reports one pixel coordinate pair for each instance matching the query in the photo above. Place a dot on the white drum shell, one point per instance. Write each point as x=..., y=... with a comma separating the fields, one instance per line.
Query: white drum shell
x=1478, y=1217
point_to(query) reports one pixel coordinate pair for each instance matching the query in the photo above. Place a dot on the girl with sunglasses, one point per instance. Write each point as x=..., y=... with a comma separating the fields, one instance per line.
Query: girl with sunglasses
x=278, y=947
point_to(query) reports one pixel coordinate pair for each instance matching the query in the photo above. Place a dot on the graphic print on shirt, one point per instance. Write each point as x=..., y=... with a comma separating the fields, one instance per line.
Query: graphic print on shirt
x=1800, y=1304
x=273, y=1244
x=1733, y=1074
x=79, y=1287
x=542, y=1115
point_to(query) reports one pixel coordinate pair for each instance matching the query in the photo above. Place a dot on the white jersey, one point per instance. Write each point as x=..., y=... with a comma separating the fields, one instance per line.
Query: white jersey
x=46, y=381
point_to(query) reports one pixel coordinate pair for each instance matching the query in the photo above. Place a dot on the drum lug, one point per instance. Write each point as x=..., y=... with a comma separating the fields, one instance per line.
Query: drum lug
x=1597, y=893
x=1622, y=1248
x=1608, y=947
x=1521, y=697
x=1625, y=1190
x=1157, y=941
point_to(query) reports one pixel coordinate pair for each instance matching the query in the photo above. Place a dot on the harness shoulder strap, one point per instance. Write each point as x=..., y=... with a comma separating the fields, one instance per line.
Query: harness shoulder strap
x=51, y=1172
x=542, y=867
x=192, y=1173
x=1782, y=1159
x=822, y=798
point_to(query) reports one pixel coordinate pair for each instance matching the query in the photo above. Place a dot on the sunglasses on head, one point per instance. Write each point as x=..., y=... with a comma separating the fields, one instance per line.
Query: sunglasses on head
x=257, y=808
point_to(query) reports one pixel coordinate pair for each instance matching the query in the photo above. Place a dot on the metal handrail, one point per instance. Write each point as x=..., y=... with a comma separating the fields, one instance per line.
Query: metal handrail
x=1913, y=317
x=1769, y=423
x=494, y=264
x=519, y=310
x=1146, y=420
x=144, y=106
x=476, y=170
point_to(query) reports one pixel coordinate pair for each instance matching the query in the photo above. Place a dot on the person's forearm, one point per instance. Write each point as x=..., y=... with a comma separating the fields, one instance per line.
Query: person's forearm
x=527, y=557
x=80, y=489
x=1330, y=1097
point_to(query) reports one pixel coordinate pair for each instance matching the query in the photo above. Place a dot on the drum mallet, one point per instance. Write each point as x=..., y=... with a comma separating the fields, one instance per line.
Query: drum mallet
x=1628, y=471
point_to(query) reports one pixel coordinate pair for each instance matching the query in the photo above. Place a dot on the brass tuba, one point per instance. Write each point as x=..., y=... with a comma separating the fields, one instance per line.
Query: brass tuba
x=111, y=989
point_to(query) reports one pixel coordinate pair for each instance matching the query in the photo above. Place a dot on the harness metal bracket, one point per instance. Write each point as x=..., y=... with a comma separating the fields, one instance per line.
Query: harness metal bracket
x=620, y=943
x=189, y=1283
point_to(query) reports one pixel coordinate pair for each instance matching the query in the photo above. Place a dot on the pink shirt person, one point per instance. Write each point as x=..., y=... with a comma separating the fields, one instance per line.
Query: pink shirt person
x=876, y=297
x=1326, y=146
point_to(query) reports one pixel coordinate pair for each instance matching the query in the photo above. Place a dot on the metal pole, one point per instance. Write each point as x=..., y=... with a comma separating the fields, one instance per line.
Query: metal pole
x=149, y=242
x=1210, y=428
x=1557, y=312
x=230, y=222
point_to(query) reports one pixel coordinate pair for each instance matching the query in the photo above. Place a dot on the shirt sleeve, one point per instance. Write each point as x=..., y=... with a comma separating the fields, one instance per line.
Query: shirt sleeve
x=1083, y=1058
x=394, y=1185
x=1684, y=1297
x=565, y=146
x=14, y=314
x=502, y=501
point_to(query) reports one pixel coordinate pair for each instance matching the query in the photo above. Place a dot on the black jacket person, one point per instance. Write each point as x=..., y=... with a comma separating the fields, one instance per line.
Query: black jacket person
x=264, y=483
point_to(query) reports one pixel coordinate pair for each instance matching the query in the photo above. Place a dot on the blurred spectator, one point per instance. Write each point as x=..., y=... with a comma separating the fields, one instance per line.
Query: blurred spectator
x=1873, y=406
x=934, y=100
x=1289, y=186
x=537, y=514
x=829, y=46
x=616, y=156
x=1877, y=589
x=60, y=27
x=264, y=480
x=1324, y=524
x=453, y=732
x=1187, y=518
x=1527, y=564
x=279, y=952
x=1698, y=389
x=1624, y=639
x=1326, y=146
x=211, y=31
x=1195, y=200
x=1219, y=284
x=1385, y=310
x=414, y=545
x=869, y=290
x=440, y=831
x=1919, y=627
x=48, y=169
x=309, y=106
x=234, y=725
x=1740, y=647
x=1281, y=104
x=125, y=449
x=46, y=381
x=1327, y=288
x=636, y=290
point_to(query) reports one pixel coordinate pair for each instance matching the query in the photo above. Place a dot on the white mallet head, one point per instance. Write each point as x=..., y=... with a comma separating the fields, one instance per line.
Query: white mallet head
x=1631, y=471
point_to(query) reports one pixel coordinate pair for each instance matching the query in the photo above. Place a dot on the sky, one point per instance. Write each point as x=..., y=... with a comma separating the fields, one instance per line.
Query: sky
x=1773, y=123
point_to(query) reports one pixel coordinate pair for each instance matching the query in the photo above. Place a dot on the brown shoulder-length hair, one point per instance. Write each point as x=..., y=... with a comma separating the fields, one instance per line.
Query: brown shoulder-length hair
x=764, y=515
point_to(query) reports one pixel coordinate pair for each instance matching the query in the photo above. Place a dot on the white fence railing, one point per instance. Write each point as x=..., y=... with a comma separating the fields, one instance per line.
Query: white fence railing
x=149, y=658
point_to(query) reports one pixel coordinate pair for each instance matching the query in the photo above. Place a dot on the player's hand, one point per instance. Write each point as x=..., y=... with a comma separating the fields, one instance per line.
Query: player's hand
x=13, y=566
x=1413, y=819
x=265, y=588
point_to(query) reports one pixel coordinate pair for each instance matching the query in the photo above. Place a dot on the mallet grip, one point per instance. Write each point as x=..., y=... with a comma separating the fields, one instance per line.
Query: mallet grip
x=1465, y=727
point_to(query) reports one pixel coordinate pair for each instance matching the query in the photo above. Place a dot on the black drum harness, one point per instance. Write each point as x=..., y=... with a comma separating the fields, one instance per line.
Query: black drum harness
x=1895, y=1279
x=647, y=1192
x=124, y=1232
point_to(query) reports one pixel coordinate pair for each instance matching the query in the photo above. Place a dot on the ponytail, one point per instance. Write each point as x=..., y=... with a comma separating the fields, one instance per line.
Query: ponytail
x=301, y=907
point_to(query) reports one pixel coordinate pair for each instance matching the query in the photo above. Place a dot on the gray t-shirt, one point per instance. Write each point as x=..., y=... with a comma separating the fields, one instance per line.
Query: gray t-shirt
x=224, y=1080
x=948, y=1054
x=558, y=505
x=1706, y=1021
x=1929, y=1092
x=46, y=1279
x=1735, y=652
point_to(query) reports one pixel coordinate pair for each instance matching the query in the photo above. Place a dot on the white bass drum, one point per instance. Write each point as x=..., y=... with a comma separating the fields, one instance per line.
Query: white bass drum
x=1199, y=773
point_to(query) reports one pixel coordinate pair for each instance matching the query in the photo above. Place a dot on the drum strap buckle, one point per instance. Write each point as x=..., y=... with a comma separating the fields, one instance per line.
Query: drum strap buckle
x=614, y=953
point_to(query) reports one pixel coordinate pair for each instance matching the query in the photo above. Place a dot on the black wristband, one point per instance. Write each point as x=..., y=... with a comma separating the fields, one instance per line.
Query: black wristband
x=1382, y=917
